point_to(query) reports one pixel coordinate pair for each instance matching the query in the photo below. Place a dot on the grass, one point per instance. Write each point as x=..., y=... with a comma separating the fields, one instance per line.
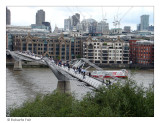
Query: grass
x=128, y=100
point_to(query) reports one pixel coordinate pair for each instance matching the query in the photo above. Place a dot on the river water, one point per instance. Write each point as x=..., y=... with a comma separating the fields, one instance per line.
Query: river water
x=26, y=84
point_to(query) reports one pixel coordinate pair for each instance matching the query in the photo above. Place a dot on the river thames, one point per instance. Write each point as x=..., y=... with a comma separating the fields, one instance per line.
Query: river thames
x=26, y=84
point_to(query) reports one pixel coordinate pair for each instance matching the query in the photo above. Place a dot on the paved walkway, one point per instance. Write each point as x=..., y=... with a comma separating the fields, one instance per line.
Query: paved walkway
x=89, y=80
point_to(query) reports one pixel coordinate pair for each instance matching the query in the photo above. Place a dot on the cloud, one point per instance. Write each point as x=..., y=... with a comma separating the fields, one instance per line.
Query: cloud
x=56, y=15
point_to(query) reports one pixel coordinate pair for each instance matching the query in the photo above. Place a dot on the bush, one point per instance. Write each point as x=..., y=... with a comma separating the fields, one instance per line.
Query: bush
x=117, y=100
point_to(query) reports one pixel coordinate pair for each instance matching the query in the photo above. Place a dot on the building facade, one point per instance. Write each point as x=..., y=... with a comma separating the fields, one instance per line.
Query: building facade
x=67, y=24
x=57, y=47
x=75, y=19
x=151, y=28
x=144, y=22
x=116, y=31
x=141, y=52
x=107, y=52
x=127, y=29
x=138, y=27
x=48, y=26
x=40, y=17
x=132, y=51
x=144, y=52
x=102, y=27
x=8, y=17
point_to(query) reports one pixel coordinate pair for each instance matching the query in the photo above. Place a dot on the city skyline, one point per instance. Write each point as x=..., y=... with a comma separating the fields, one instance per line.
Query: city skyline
x=129, y=16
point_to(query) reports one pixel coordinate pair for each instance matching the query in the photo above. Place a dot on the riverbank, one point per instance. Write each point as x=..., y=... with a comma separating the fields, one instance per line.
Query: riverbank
x=10, y=62
x=126, y=66
x=108, y=66
x=28, y=65
x=117, y=100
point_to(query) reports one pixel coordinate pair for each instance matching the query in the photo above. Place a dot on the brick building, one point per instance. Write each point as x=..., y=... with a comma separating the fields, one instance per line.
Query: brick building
x=132, y=51
x=142, y=52
x=57, y=47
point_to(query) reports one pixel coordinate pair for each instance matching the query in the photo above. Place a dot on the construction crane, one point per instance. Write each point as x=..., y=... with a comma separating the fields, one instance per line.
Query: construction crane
x=117, y=21
x=103, y=17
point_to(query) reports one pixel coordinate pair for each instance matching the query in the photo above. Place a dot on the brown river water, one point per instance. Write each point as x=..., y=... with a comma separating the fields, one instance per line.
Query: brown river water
x=26, y=84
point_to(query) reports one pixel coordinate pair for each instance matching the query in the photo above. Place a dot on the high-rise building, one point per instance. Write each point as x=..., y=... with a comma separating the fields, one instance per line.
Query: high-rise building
x=8, y=17
x=67, y=24
x=151, y=28
x=75, y=19
x=48, y=25
x=89, y=25
x=102, y=27
x=127, y=28
x=144, y=22
x=40, y=17
x=138, y=27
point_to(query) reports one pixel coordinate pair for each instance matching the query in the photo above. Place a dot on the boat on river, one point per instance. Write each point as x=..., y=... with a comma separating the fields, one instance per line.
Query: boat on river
x=110, y=74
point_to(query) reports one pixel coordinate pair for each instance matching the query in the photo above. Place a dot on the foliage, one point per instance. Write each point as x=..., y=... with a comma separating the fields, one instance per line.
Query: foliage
x=128, y=100
x=104, y=43
x=78, y=56
x=58, y=58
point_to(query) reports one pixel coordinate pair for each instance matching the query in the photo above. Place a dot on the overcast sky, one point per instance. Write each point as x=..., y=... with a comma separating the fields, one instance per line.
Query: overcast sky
x=130, y=16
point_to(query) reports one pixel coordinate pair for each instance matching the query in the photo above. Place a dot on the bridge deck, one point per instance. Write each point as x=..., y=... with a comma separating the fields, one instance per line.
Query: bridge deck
x=89, y=80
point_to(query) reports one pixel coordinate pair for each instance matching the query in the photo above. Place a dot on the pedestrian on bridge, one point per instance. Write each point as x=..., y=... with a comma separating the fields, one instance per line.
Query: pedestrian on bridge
x=82, y=71
x=89, y=74
x=75, y=70
x=68, y=67
x=84, y=74
x=79, y=70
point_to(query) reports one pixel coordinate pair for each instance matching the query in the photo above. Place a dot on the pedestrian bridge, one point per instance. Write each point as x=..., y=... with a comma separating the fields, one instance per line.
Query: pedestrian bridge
x=63, y=73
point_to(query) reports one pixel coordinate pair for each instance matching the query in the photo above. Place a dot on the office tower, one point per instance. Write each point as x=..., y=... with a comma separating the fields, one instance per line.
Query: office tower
x=144, y=22
x=8, y=17
x=48, y=25
x=102, y=27
x=138, y=27
x=151, y=28
x=89, y=25
x=67, y=24
x=75, y=19
x=127, y=28
x=40, y=17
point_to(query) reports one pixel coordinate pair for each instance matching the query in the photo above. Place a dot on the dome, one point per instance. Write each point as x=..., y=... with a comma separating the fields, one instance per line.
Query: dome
x=90, y=20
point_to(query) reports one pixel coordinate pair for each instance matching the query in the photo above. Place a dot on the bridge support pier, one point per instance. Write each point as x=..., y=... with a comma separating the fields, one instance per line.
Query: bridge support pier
x=64, y=86
x=17, y=65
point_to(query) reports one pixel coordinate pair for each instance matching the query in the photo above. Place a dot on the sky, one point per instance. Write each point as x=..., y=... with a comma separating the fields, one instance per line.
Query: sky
x=129, y=15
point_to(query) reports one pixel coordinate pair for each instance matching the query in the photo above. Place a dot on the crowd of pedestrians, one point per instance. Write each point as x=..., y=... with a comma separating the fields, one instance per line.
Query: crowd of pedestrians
x=78, y=70
x=81, y=71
